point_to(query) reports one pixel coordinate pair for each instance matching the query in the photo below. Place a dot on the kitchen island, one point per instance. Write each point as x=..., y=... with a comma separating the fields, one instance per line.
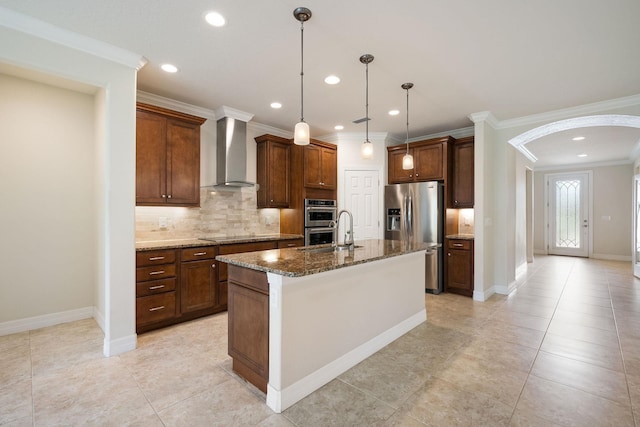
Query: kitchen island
x=299, y=318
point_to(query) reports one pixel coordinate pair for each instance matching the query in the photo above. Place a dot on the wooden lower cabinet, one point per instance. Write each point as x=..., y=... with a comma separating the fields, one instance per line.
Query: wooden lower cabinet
x=249, y=325
x=459, y=266
x=156, y=296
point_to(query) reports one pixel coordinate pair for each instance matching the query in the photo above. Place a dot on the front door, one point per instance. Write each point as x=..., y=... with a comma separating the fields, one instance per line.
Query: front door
x=361, y=197
x=568, y=214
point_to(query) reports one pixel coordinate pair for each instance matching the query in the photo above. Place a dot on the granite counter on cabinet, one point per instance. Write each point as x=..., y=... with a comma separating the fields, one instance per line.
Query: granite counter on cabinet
x=298, y=319
x=144, y=245
x=460, y=236
x=297, y=262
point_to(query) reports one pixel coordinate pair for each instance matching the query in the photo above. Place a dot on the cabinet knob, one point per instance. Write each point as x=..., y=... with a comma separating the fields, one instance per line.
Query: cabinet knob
x=169, y=196
x=213, y=266
x=417, y=174
x=449, y=254
x=164, y=196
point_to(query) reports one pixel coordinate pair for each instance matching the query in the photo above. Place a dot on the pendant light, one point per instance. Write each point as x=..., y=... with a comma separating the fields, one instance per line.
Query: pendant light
x=301, y=133
x=367, y=146
x=407, y=159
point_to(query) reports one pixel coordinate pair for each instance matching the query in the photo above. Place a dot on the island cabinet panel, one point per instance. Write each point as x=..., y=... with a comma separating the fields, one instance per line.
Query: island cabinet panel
x=459, y=266
x=249, y=325
x=167, y=157
x=273, y=171
x=237, y=248
x=462, y=192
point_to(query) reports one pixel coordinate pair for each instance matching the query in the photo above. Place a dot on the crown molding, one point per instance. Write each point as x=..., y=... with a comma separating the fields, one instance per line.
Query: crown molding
x=261, y=129
x=586, y=109
x=225, y=111
x=37, y=28
x=484, y=116
x=172, y=104
x=583, y=165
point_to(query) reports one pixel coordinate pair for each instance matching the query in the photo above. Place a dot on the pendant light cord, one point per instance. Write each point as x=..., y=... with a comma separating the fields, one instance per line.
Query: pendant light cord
x=302, y=71
x=407, y=121
x=367, y=101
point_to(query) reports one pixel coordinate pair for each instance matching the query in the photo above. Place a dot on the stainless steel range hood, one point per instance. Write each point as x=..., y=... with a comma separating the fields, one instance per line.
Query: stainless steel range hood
x=231, y=154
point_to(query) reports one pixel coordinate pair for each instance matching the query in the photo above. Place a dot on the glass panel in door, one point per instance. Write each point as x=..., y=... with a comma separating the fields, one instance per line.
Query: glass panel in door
x=568, y=214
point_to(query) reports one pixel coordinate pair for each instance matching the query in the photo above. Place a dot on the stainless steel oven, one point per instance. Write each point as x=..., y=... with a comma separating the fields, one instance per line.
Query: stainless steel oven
x=319, y=235
x=319, y=212
x=319, y=220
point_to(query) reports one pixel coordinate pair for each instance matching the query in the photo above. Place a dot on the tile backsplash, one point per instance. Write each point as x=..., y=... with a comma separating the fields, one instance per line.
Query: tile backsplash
x=222, y=213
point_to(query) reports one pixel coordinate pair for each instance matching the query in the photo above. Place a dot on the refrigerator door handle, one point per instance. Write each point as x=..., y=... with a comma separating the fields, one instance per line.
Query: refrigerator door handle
x=408, y=213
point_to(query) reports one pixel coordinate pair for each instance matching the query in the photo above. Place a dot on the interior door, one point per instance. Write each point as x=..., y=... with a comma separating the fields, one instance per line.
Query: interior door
x=362, y=199
x=636, y=226
x=569, y=230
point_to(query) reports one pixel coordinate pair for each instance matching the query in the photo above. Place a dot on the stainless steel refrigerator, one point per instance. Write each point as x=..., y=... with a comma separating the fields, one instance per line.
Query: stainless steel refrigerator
x=415, y=213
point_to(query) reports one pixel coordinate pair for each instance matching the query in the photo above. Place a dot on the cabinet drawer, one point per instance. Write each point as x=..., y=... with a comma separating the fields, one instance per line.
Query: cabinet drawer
x=155, y=287
x=155, y=308
x=156, y=272
x=196, y=254
x=290, y=243
x=165, y=256
x=460, y=244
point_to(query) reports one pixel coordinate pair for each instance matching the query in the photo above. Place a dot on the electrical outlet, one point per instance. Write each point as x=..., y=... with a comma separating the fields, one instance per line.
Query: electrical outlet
x=163, y=222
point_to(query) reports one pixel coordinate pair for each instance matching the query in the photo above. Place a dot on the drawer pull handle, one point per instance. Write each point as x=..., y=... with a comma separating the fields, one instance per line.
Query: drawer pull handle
x=459, y=245
x=199, y=253
x=291, y=245
x=156, y=258
x=152, y=288
x=156, y=308
x=153, y=273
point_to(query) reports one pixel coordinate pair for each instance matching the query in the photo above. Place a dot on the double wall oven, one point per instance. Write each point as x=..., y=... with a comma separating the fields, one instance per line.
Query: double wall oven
x=319, y=214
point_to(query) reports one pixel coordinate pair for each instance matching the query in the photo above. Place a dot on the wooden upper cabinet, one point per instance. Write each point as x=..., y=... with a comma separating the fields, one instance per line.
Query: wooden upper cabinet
x=167, y=157
x=429, y=161
x=273, y=171
x=462, y=192
x=320, y=166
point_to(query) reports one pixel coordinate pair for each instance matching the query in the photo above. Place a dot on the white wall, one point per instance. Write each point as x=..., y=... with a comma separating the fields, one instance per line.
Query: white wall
x=612, y=196
x=48, y=219
x=52, y=51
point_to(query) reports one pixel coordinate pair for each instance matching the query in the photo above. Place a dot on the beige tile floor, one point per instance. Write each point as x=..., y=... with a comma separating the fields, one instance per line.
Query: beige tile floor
x=562, y=350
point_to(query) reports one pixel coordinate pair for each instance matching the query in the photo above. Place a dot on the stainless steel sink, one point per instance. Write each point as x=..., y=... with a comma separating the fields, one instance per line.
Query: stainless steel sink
x=324, y=249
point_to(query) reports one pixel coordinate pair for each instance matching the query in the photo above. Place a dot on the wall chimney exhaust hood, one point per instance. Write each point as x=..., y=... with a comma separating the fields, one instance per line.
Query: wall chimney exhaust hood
x=231, y=150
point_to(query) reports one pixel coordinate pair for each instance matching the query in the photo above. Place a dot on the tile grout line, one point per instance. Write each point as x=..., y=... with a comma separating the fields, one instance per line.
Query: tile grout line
x=541, y=341
x=624, y=365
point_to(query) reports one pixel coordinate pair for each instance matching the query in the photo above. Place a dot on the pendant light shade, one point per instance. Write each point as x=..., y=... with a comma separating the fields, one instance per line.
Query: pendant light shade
x=301, y=133
x=407, y=159
x=367, y=146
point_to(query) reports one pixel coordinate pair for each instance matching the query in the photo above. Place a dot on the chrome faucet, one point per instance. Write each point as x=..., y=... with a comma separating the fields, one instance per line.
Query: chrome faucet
x=348, y=235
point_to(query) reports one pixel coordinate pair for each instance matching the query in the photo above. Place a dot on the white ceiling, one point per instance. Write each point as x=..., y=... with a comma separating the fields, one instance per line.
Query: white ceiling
x=513, y=58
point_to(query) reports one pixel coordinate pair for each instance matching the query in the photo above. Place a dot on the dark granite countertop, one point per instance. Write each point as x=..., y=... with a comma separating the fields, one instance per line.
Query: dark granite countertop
x=296, y=262
x=144, y=245
x=460, y=236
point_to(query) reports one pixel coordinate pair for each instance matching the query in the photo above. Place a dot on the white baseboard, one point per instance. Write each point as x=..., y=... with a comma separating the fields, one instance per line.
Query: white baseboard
x=37, y=322
x=612, y=257
x=506, y=290
x=278, y=401
x=483, y=295
x=99, y=317
x=120, y=345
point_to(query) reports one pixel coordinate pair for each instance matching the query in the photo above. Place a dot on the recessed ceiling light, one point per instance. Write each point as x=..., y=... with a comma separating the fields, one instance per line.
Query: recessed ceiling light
x=276, y=105
x=332, y=80
x=215, y=19
x=582, y=155
x=394, y=112
x=169, y=68
x=338, y=127
x=578, y=138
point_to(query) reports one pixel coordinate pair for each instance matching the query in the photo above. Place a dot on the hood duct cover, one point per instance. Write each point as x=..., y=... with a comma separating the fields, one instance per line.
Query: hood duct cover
x=231, y=155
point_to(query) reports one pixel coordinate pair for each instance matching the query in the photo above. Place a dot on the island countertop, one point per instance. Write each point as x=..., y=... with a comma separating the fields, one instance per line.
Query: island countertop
x=297, y=262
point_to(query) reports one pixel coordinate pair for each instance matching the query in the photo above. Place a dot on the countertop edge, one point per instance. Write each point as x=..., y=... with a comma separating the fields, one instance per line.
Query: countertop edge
x=193, y=242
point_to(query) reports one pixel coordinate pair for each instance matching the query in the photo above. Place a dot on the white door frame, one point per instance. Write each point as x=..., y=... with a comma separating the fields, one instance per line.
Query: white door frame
x=636, y=224
x=547, y=213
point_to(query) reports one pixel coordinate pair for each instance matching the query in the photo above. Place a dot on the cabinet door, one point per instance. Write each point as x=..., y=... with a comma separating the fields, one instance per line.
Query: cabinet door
x=312, y=157
x=459, y=271
x=329, y=169
x=150, y=158
x=428, y=162
x=183, y=163
x=463, y=195
x=278, y=179
x=198, y=285
x=398, y=175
